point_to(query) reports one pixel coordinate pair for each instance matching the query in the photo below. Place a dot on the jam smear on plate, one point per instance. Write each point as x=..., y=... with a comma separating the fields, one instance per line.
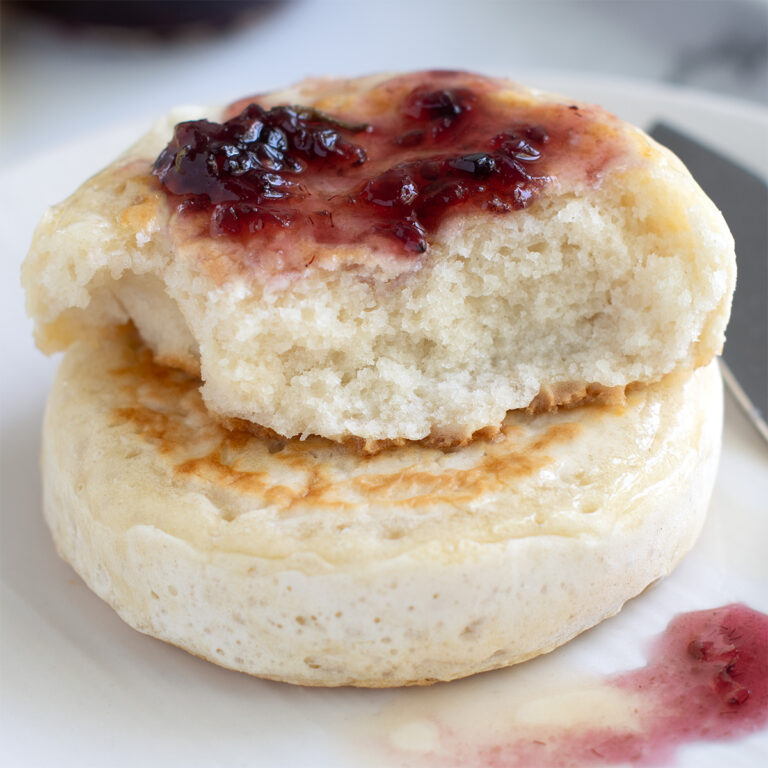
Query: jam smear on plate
x=706, y=679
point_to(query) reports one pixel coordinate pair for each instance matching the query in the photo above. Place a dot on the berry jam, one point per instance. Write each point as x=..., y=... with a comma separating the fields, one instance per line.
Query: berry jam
x=380, y=177
x=249, y=167
x=706, y=679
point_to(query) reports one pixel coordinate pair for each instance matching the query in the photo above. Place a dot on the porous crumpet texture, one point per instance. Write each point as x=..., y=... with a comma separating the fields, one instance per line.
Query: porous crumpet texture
x=301, y=561
x=620, y=280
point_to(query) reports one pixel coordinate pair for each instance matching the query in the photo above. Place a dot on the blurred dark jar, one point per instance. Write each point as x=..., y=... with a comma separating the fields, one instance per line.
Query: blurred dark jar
x=166, y=16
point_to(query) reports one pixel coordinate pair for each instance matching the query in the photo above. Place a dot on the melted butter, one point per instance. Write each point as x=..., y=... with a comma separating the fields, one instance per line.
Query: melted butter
x=705, y=679
x=462, y=723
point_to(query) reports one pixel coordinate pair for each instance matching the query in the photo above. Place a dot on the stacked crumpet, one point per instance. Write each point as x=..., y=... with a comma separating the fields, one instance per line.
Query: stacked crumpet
x=381, y=381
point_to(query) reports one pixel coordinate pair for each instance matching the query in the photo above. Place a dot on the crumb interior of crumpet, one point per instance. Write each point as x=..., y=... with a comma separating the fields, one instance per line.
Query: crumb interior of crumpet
x=399, y=258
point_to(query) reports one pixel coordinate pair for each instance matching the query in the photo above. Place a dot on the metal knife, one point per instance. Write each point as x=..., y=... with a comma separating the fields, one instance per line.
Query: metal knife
x=742, y=196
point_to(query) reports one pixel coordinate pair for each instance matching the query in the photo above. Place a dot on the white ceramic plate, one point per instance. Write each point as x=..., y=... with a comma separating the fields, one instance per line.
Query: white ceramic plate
x=80, y=688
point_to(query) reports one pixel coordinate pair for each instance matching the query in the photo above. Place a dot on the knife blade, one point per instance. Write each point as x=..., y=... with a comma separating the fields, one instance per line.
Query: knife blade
x=742, y=196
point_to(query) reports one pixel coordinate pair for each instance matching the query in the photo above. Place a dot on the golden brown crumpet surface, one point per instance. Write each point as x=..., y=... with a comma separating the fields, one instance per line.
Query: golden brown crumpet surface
x=563, y=249
x=306, y=562
x=167, y=412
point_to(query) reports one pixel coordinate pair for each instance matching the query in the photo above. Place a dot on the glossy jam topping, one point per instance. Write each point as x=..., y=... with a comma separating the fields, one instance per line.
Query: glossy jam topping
x=369, y=175
x=248, y=168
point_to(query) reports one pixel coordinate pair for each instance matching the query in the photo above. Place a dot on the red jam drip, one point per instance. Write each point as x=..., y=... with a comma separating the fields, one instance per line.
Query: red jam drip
x=706, y=679
x=444, y=143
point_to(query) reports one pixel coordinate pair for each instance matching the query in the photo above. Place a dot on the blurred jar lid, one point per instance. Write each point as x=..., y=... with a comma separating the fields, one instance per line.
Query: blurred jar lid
x=165, y=16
